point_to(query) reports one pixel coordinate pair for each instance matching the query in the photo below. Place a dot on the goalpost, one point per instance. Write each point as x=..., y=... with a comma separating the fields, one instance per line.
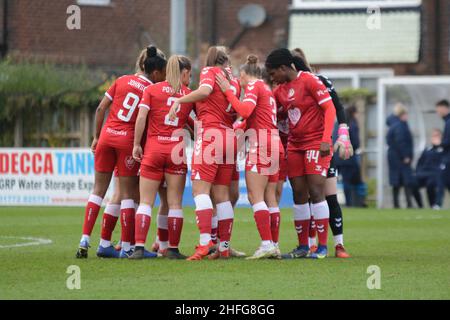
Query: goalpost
x=419, y=94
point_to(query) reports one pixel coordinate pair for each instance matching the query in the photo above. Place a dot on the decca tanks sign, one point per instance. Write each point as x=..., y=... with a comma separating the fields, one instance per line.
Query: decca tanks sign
x=45, y=176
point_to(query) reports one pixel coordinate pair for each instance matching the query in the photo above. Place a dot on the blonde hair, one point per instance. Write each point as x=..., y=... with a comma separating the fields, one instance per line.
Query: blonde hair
x=400, y=109
x=175, y=66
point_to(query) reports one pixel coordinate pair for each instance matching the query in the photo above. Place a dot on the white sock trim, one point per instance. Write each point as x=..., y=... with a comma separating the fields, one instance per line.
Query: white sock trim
x=215, y=222
x=112, y=210
x=95, y=199
x=144, y=209
x=321, y=210
x=163, y=222
x=205, y=238
x=105, y=243
x=338, y=239
x=224, y=210
x=176, y=213
x=274, y=210
x=302, y=212
x=127, y=204
x=203, y=202
x=260, y=206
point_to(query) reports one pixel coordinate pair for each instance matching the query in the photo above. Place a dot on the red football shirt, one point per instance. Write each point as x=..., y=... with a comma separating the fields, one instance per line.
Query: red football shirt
x=125, y=94
x=302, y=99
x=158, y=99
x=215, y=111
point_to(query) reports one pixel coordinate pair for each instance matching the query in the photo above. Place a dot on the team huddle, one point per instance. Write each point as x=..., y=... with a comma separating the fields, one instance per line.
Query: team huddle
x=280, y=115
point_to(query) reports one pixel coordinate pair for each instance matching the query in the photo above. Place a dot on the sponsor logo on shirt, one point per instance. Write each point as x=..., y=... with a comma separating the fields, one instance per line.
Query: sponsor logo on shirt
x=116, y=132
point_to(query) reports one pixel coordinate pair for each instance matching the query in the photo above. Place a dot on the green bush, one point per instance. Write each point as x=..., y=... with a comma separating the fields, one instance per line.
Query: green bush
x=41, y=91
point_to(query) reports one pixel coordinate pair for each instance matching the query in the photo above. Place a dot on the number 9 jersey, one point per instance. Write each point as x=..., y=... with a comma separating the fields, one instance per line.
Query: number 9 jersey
x=115, y=145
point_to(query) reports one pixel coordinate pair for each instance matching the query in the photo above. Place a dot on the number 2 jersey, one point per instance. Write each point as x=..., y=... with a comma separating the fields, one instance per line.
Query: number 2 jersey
x=163, y=132
x=125, y=94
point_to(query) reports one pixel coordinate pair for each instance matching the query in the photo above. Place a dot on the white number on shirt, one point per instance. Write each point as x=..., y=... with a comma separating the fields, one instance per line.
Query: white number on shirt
x=167, y=121
x=134, y=99
x=233, y=88
x=273, y=104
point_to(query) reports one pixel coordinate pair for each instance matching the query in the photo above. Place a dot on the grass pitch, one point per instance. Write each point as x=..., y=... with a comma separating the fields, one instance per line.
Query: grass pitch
x=411, y=247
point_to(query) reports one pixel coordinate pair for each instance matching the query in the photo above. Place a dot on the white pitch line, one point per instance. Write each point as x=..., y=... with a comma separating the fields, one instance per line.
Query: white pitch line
x=33, y=242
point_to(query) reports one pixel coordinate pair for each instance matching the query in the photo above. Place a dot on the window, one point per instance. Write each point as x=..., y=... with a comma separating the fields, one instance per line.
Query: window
x=94, y=2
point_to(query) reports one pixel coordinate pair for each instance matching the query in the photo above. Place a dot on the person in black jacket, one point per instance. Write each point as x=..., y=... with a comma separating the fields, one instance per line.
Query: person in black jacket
x=443, y=110
x=350, y=169
x=428, y=168
x=400, y=155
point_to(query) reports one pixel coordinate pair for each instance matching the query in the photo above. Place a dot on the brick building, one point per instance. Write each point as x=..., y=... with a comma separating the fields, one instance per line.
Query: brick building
x=113, y=31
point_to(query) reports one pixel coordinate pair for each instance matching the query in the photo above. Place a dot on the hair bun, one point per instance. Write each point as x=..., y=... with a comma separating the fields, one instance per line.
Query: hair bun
x=252, y=59
x=152, y=51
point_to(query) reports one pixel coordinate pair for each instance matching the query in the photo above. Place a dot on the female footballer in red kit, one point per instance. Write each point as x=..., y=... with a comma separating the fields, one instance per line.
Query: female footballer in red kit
x=162, y=159
x=262, y=164
x=214, y=153
x=311, y=116
x=112, y=148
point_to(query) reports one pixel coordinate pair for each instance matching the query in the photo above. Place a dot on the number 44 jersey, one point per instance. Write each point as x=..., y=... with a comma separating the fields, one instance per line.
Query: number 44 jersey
x=125, y=94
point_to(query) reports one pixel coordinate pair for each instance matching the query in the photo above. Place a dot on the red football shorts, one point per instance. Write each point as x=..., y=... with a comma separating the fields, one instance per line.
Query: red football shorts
x=155, y=164
x=213, y=159
x=301, y=163
x=107, y=157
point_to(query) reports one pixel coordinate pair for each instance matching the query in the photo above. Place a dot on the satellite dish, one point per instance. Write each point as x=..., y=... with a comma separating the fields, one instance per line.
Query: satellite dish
x=252, y=15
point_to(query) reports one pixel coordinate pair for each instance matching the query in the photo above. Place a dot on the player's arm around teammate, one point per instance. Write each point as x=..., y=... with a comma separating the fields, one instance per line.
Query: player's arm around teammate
x=212, y=173
x=162, y=159
x=259, y=109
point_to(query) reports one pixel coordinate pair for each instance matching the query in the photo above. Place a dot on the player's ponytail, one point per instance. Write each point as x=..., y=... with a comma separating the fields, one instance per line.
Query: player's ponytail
x=300, y=61
x=154, y=60
x=175, y=66
x=252, y=67
x=218, y=56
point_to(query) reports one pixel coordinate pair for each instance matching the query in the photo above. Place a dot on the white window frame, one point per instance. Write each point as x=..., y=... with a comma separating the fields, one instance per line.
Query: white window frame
x=99, y=3
x=333, y=4
x=356, y=75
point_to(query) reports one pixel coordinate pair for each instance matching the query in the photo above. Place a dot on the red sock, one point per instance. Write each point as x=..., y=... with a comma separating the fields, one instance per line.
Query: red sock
x=142, y=224
x=175, y=227
x=302, y=228
x=321, y=216
x=312, y=228
x=204, y=220
x=262, y=219
x=225, y=229
x=110, y=217
x=275, y=219
x=214, y=226
x=163, y=232
x=127, y=215
x=204, y=213
x=322, y=231
x=91, y=214
x=225, y=214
